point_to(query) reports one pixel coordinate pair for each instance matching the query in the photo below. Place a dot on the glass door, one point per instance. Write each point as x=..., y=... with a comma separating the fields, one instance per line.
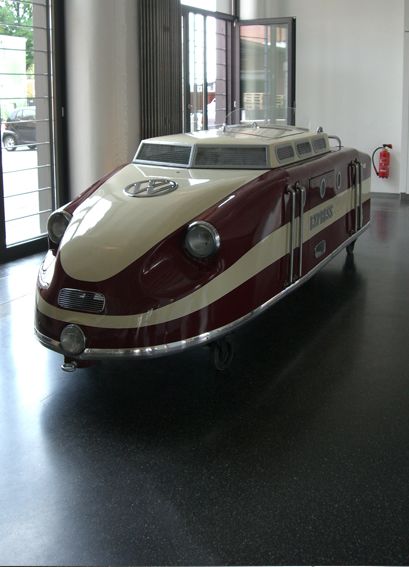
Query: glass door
x=27, y=152
x=206, y=69
x=267, y=71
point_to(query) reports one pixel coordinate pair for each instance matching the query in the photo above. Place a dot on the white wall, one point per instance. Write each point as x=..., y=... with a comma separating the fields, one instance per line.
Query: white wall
x=102, y=106
x=349, y=70
x=405, y=113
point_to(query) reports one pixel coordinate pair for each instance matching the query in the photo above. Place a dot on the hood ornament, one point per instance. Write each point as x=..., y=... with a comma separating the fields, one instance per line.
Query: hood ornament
x=153, y=187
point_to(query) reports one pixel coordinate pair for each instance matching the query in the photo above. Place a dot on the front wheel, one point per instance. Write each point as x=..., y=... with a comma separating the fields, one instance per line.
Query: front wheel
x=9, y=143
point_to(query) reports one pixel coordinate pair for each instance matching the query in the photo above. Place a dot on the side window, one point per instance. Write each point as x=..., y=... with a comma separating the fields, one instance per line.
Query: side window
x=27, y=89
x=207, y=85
x=28, y=114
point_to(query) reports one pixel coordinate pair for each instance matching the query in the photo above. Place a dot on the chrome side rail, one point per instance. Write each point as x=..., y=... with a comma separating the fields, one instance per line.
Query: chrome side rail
x=302, y=195
x=361, y=210
x=292, y=234
x=337, y=139
x=299, y=193
x=356, y=171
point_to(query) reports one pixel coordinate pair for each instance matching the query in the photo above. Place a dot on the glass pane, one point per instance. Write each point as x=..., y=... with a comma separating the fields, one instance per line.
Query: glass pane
x=27, y=170
x=216, y=71
x=196, y=71
x=223, y=6
x=264, y=71
x=207, y=72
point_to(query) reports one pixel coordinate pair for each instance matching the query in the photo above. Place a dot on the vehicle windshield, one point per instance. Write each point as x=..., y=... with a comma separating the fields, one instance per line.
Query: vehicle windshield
x=279, y=116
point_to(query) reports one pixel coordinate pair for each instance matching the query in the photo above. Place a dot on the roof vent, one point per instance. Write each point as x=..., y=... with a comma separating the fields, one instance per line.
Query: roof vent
x=303, y=149
x=170, y=154
x=231, y=157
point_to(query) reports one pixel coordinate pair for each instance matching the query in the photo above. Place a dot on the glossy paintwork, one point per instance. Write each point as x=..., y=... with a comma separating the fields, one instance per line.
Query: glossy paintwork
x=115, y=229
x=164, y=277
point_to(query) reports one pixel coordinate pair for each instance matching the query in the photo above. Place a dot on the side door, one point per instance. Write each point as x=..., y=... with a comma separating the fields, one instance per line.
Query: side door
x=15, y=125
x=27, y=126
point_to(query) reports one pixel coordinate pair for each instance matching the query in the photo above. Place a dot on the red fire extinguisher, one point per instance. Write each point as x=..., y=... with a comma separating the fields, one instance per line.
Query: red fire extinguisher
x=384, y=161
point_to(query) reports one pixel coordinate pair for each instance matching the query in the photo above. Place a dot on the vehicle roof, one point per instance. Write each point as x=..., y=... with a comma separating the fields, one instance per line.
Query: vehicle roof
x=277, y=145
x=15, y=110
x=240, y=134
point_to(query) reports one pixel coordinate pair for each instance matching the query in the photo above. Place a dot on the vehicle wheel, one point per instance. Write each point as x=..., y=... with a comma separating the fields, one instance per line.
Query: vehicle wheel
x=350, y=248
x=222, y=354
x=32, y=147
x=9, y=143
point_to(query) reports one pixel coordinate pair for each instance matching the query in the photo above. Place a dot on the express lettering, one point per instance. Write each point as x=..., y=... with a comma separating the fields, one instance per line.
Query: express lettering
x=321, y=217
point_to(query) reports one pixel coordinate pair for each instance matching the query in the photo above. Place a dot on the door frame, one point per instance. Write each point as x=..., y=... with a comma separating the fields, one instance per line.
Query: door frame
x=58, y=135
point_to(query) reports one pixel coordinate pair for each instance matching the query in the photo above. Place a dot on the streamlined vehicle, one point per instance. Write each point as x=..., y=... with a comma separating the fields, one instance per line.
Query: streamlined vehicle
x=198, y=235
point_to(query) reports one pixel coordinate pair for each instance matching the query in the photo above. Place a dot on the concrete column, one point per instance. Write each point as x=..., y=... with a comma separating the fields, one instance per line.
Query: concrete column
x=102, y=84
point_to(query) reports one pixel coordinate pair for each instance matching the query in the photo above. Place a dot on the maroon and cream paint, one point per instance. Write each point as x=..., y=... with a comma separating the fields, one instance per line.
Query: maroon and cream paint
x=166, y=297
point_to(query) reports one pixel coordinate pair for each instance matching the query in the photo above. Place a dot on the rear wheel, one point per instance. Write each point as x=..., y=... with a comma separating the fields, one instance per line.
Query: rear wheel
x=350, y=248
x=9, y=143
x=222, y=353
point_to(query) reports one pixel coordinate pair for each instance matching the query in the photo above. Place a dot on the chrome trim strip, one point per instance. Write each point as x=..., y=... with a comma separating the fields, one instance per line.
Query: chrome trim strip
x=179, y=346
x=357, y=188
x=292, y=234
x=160, y=163
x=337, y=139
x=353, y=169
x=302, y=192
x=361, y=211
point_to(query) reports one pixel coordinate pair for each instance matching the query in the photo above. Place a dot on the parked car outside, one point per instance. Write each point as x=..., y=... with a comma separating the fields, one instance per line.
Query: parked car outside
x=20, y=129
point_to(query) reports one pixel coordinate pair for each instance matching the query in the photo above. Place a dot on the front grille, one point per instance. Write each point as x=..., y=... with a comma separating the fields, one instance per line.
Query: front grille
x=78, y=300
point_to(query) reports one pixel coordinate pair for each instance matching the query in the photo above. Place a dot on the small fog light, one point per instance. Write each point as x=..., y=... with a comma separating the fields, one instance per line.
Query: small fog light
x=72, y=340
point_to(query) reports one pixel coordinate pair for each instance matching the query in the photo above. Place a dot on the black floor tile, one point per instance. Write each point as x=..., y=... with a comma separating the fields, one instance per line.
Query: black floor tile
x=297, y=455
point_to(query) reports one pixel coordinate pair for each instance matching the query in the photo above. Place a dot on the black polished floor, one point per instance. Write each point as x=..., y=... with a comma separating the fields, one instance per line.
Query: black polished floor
x=298, y=455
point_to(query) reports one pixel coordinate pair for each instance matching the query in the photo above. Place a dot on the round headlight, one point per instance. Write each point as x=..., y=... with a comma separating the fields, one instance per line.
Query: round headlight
x=202, y=239
x=72, y=340
x=57, y=225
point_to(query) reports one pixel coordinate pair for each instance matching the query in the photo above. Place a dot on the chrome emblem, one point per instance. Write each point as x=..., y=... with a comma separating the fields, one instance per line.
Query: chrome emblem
x=153, y=187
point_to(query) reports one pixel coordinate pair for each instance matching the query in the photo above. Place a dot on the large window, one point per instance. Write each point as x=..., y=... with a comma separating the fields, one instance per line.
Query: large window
x=236, y=70
x=267, y=69
x=27, y=164
x=207, y=56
